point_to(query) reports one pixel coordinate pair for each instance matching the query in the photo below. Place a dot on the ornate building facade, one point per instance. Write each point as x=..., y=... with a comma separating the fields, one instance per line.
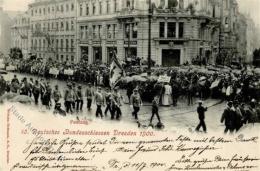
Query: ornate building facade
x=181, y=30
x=53, y=29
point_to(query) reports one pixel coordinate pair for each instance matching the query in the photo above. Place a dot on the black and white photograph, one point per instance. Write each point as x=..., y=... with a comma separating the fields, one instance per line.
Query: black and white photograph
x=117, y=81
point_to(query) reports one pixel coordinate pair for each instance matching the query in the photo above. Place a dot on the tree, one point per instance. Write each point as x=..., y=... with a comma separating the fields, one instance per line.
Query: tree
x=16, y=53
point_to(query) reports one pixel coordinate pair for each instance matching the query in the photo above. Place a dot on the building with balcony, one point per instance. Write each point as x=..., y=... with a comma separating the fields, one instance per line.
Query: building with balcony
x=181, y=30
x=53, y=29
x=20, y=33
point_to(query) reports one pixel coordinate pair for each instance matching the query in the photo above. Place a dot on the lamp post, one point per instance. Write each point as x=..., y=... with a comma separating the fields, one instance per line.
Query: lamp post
x=150, y=10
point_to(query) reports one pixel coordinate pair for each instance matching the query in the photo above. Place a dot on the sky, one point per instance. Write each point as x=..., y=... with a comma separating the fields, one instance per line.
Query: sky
x=246, y=6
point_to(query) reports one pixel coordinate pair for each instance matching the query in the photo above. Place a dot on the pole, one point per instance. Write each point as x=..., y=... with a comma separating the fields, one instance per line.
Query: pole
x=149, y=36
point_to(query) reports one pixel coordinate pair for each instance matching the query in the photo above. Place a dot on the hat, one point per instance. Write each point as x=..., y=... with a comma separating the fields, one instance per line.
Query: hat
x=135, y=90
x=200, y=101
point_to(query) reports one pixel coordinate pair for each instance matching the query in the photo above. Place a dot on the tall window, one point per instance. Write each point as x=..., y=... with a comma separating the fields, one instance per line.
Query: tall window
x=61, y=8
x=72, y=44
x=162, y=29
x=115, y=5
x=57, y=26
x=67, y=7
x=109, y=35
x=57, y=44
x=61, y=26
x=94, y=32
x=67, y=25
x=127, y=30
x=99, y=31
x=108, y=7
x=81, y=32
x=114, y=30
x=67, y=45
x=72, y=7
x=43, y=44
x=86, y=32
x=181, y=29
x=94, y=8
x=100, y=7
x=134, y=30
x=61, y=44
x=171, y=31
x=80, y=9
x=72, y=25
x=87, y=9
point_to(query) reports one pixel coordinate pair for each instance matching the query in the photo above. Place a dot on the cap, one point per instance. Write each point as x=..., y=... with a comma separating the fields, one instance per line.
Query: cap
x=200, y=101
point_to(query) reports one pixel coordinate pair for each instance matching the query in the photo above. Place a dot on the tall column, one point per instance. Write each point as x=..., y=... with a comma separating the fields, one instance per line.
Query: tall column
x=165, y=29
x=177, y=29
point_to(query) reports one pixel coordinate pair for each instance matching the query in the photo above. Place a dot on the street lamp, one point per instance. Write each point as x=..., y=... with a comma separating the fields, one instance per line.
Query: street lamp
x=150, y=11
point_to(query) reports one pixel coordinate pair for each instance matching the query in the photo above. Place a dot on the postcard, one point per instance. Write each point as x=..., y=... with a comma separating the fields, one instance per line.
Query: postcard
x=129, y=85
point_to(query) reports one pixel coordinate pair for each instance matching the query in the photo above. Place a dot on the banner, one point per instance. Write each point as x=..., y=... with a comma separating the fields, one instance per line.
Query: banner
x=11, y=68
x=164, y=79
x=115, y=73
x=54, y=71
x=68, y=72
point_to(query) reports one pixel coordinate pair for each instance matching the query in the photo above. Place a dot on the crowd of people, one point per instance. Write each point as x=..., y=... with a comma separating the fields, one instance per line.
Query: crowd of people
x=240, y=89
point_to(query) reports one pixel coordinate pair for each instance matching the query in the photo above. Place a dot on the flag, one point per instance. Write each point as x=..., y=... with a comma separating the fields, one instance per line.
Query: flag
x=116, y=72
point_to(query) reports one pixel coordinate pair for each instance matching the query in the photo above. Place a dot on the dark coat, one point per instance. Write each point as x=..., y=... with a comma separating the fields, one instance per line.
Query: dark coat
x=201, y=112
x=229, y=117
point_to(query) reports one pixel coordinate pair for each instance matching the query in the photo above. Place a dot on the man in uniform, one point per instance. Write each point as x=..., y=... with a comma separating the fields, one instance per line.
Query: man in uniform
x=135, y=103
x=89, y=95
x=201, y=112
x=99, y=102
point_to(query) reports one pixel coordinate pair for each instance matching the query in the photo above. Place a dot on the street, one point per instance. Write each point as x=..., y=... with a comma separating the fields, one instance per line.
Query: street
x=178, y=117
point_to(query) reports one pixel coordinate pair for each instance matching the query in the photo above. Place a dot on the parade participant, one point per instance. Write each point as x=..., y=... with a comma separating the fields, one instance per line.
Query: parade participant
x=56, y=95
x=31, y=83
x=15, y=80
x=108, y=98
x=89, y=94
x=167, y=93
x=69, y=98
x=73, y=104
x=135, y=103
x=238, y=116
x=190, y=93
x=42, y=89
x=229, y=117
x=79, y=99
x=117, y=103
x=8, y=86
x=251, y=112
x=47, y=96
x=14, y=87
x=25, y=88
x=2, y=85
x=201, y=112
x=99, y=99
x=155, y=109
x=36, y=91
